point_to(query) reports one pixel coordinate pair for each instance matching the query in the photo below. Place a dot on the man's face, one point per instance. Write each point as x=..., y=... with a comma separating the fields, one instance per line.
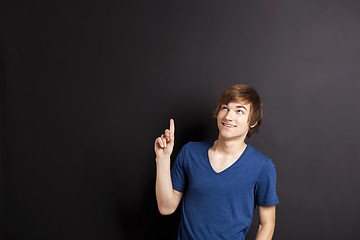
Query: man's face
x=232, y=120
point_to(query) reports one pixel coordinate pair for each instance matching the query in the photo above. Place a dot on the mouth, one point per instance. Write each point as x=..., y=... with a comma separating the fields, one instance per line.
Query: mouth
x=228, y=125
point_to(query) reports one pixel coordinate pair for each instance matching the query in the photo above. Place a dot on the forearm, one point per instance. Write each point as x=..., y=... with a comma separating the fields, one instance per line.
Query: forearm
x=265, y=231
x=164, y=189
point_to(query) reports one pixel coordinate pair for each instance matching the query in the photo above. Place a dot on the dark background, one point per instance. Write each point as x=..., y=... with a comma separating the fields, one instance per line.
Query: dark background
x=87, y=86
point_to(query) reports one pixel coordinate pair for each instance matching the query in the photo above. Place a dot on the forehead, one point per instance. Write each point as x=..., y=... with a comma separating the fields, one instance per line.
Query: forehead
x=239, y=102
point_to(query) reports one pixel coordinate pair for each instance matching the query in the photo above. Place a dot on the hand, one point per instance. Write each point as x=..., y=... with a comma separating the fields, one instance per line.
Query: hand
x=165, y=143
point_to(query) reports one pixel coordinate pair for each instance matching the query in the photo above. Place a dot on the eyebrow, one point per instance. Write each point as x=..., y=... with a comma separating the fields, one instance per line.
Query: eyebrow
x=238, y=106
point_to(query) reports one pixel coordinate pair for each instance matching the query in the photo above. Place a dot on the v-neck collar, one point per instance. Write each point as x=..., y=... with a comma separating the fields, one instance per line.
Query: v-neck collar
x=229, y=167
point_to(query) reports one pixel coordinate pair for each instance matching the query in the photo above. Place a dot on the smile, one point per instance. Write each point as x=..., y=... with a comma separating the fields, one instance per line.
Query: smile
x=228, y=125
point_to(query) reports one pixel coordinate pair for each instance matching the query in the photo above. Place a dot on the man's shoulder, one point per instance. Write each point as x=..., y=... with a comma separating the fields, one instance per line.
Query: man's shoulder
x=198, y=146
x=200, y=143
x=258, y=157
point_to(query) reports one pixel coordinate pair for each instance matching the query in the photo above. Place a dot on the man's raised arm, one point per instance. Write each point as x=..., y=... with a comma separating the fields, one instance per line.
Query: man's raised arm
x=167, y=198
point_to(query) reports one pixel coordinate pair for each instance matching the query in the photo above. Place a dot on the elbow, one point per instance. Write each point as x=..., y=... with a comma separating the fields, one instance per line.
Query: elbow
x=267, y=227
x=166, y=211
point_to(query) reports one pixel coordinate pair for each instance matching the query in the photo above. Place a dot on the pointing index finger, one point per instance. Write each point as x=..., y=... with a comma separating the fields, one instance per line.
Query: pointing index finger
x=172, y=126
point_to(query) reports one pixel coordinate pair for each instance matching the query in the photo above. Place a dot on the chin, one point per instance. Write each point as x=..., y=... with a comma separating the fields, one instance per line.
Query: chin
x=228, y=136
x=231, y=137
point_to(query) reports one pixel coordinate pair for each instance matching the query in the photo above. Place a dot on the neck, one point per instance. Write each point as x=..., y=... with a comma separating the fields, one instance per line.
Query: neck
x=229, y=147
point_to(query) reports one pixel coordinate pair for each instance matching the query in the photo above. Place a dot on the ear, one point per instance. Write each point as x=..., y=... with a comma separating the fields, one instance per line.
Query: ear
x=253, y=125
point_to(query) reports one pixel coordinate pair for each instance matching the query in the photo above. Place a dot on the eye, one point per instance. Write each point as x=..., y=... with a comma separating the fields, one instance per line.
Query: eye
x=240, y=112
x=224, y=108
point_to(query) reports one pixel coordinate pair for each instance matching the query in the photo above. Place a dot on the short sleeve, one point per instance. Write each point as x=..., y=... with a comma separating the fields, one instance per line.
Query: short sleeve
x=265, y=188
x=178, y=175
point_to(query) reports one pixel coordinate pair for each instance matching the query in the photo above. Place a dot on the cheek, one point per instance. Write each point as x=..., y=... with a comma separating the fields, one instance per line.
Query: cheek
x=243, y=120
x=220, y=115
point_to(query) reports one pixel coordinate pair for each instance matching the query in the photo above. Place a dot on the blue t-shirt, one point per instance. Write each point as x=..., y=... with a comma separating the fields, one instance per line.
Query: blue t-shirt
x=221, y=205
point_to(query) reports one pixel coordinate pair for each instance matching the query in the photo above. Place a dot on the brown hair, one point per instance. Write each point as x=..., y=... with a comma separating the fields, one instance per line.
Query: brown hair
x=248, y=94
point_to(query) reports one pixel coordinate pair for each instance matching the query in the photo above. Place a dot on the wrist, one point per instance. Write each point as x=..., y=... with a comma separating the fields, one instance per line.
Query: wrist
x=162, y=159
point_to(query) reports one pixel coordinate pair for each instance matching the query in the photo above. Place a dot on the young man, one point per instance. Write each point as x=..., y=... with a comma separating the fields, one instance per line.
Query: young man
x=220, y=181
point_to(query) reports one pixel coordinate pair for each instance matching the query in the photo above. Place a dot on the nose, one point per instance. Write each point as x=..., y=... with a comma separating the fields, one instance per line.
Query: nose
x=229, y=115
